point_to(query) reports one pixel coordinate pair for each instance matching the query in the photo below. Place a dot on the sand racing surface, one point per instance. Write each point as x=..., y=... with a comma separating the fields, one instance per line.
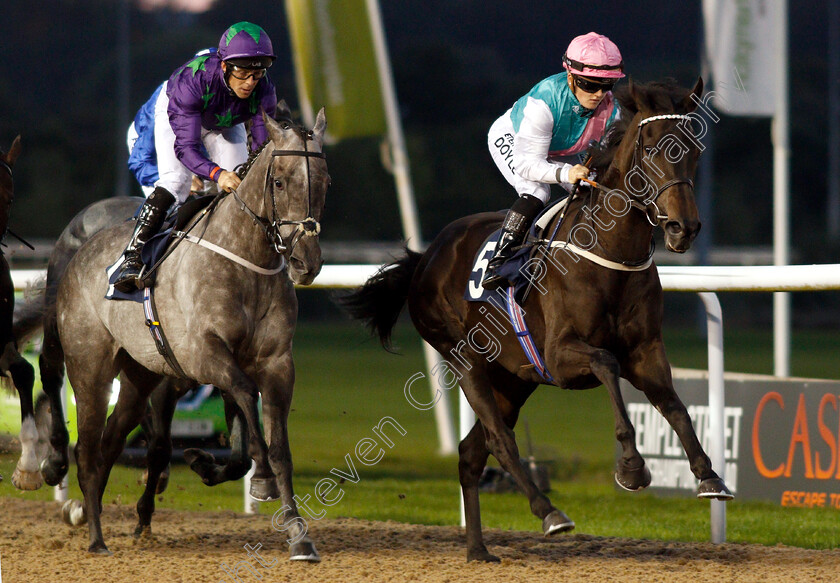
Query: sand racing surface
x=36, y=546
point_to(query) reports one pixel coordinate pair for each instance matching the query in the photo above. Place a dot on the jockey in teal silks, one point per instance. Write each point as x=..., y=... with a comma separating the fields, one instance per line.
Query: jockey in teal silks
x=199, y=128
x=535, y=142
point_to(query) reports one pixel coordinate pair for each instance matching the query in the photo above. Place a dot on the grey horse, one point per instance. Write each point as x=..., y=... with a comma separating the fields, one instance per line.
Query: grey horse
x=227, y=309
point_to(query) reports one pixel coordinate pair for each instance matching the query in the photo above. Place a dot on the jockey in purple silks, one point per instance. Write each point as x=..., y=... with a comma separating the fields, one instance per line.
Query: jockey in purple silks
x=534, y=141
x=199, y=128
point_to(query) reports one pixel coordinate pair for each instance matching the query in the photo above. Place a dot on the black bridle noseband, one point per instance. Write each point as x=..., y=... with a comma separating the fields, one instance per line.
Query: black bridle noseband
x=308, y=226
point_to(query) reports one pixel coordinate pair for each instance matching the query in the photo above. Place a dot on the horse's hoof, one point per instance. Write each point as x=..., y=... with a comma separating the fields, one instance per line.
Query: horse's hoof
x=482, y=555
x=557, y=521
x=23, y=480
x=53, y=471
x=202, y=463
x=633, y=480
x=143, y=531
x=163, y=482
x=264, y=489
x=73, y=513
x=99, y=549
x=714, y=488
x=304, y=551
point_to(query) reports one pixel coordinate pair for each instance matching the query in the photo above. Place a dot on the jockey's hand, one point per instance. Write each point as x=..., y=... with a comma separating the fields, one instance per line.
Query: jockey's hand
x=578, y=172
x=228, y=181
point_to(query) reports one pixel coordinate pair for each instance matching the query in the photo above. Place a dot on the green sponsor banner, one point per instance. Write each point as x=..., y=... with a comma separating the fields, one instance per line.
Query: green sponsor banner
x=336, y=65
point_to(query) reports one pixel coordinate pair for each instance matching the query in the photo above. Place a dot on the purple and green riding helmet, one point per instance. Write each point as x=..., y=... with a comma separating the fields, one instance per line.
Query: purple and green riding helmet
x=246, y=45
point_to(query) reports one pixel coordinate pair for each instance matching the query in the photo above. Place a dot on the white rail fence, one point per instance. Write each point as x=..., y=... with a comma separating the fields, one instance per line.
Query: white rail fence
x=703, y=280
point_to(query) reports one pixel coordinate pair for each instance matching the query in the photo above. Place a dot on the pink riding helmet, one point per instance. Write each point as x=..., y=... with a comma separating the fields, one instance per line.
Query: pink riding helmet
x=593, y=55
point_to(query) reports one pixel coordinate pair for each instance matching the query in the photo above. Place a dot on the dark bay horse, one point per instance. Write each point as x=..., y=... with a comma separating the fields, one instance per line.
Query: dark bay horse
x=229, y=319
x=26, y=475
x=595, y=313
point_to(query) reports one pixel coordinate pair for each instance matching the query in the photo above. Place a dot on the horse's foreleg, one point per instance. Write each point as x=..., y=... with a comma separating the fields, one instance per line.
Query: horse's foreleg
x=277, y=401
x=631, y=472
x=652, y=374
x=245, y=394
x=472, y=456
x=204, y=464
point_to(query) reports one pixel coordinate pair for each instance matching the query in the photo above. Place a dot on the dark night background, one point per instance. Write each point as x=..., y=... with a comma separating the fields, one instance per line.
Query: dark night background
x=458, y=64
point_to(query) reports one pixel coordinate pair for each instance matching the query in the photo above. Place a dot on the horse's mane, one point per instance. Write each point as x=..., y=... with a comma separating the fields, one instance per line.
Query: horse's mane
x=661, y=96
x=243, y=168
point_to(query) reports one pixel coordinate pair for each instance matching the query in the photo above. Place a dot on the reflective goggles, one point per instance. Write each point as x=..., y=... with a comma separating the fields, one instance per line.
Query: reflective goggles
x=589, y=85
x=244, y=74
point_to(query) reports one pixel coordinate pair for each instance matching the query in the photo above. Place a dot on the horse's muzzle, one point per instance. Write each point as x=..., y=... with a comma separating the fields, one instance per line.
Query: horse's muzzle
x=680, y=234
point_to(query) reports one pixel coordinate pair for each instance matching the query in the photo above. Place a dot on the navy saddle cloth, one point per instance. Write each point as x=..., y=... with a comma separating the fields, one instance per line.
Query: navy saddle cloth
x=155, y=247
x=512, y=268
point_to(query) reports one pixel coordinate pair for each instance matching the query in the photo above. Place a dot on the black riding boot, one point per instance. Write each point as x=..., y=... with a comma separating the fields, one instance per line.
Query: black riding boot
x=514, y=228
x=149, y=220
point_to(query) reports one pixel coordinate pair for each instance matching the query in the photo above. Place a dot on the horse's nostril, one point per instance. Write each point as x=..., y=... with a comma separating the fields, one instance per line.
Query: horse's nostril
x=297, y=264
x=673, y=228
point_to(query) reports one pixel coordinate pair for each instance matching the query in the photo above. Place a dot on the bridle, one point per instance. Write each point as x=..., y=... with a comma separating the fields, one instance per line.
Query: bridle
x=5, y=166
x=308, y=227
x=650, y=203
x=643, y=204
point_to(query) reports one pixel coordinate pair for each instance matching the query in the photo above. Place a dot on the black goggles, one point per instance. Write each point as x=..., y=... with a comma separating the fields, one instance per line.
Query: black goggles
x=242, y=73
x=592, y=86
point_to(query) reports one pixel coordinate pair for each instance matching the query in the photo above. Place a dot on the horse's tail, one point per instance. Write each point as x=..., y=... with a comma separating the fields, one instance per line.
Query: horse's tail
x=380, y=300
x=29, y=315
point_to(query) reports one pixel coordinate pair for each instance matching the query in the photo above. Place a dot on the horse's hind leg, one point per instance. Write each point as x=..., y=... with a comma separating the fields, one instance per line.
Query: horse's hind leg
x=51, y=363
x=472, y=456
x=158, y=432
x=27, y=475
x=204, y=464
x=501, y=442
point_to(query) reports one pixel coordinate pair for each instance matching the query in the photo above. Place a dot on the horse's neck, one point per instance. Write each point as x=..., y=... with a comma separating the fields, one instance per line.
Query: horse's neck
x=624, y=237
x=232, y=228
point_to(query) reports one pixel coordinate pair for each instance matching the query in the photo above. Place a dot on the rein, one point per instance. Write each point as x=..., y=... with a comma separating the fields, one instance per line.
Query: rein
x=308, y=226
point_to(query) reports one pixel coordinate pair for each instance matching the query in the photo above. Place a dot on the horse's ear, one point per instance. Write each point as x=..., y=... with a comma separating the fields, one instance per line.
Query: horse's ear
x=633, y=103
x=14, y=152
x=282, y=110
x=691, y=100
x=274, y=131
x=320, y=125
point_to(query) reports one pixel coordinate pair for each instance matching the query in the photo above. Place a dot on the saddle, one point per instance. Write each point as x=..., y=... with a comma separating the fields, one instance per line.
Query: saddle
x=157, y=246
x=512, y=268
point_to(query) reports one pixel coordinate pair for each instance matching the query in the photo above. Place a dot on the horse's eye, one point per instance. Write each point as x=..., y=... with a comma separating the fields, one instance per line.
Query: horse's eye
x=285, y=125
x=648, y=150
x=278, y=184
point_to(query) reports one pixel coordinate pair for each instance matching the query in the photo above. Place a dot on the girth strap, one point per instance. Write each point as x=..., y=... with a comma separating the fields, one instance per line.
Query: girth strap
x=156, y=331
